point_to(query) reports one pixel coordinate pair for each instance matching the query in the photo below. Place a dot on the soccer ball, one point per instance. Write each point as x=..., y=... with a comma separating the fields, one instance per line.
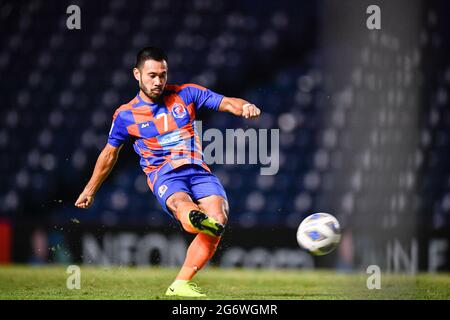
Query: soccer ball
x=319, y=233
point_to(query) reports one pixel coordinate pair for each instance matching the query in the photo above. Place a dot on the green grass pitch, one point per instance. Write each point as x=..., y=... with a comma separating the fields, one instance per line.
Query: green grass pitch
x=49, y=282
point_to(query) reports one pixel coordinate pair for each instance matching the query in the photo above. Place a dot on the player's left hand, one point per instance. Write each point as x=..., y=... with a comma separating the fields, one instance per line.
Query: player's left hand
x=250, y=111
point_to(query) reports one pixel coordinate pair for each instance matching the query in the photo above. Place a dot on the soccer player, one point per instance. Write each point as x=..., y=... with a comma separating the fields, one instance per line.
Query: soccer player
x=161, y=122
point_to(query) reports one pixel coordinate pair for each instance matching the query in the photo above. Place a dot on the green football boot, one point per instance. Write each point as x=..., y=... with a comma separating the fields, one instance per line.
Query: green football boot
x=205, y=224
x=184, y=288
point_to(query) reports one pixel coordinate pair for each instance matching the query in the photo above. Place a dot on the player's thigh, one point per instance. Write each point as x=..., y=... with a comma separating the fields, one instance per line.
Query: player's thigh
x=215, y=206
x=175, y=199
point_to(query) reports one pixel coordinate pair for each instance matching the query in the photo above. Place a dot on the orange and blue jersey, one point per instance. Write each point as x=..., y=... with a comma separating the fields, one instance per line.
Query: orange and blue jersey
x=164, y=133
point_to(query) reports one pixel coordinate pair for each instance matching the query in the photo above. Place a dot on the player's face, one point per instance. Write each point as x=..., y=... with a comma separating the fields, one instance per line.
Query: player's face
x=152, y=77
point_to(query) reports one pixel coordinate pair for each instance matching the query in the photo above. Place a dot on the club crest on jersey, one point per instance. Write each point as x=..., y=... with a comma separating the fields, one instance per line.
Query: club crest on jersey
x=179, y=111
x=161, y=190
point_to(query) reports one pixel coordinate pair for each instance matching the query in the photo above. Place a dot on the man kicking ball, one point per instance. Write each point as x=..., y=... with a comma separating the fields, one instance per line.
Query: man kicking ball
x=161, y=122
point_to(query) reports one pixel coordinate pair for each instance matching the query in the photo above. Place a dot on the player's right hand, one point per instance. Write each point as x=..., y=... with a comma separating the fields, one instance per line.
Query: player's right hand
x=84, y=201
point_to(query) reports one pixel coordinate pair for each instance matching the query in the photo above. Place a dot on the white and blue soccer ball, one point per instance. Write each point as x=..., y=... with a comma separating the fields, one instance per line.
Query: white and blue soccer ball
x=319, y=233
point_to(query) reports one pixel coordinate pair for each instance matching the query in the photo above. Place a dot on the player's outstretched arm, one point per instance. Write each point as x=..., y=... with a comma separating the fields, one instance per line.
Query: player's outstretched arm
x=239, y=107
x=105, y=162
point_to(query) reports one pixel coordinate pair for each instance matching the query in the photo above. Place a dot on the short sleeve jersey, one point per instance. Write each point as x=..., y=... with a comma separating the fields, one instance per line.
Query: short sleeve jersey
x=164, y=133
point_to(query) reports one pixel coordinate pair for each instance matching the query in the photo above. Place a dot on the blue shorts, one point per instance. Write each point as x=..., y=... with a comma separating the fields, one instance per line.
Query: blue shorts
x=192, y=179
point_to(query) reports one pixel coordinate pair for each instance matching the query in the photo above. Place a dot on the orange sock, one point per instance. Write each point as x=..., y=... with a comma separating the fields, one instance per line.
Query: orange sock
x=201, y=249
x=183, y=215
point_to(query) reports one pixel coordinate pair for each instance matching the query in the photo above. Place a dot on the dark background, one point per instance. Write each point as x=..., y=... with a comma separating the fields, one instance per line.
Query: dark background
x=328, y=83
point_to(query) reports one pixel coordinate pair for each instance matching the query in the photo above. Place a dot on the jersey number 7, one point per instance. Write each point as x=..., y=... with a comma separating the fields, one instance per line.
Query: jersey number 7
x=166, y=123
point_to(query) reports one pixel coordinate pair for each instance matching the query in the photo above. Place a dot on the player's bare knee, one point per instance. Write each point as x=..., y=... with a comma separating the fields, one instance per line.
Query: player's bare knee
x=219, y=213
x=220, y=217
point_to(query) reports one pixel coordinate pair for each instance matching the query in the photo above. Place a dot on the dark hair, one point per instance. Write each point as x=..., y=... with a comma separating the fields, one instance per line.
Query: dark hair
x=150, y=53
